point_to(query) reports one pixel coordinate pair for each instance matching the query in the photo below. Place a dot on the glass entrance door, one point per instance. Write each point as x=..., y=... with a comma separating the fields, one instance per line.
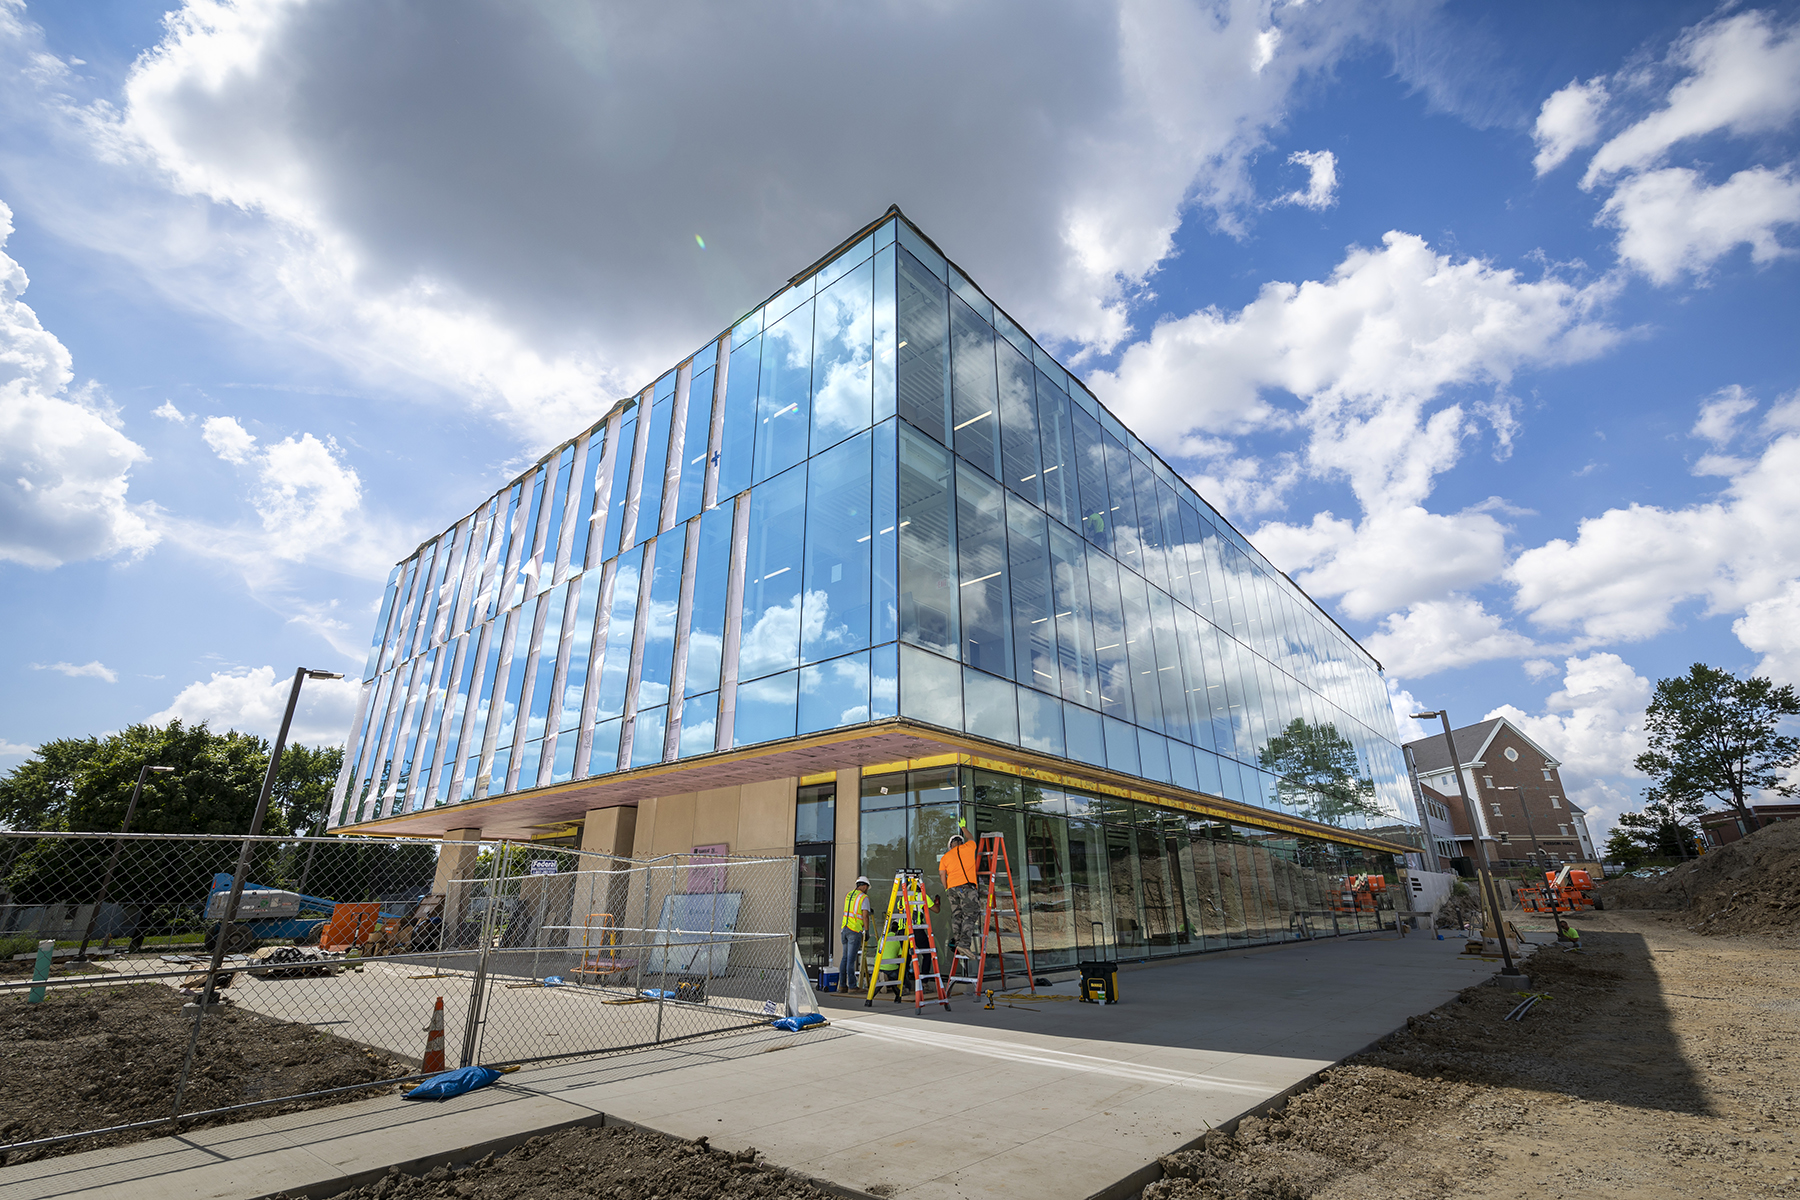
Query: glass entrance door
x=815, y=924
x=812, y=921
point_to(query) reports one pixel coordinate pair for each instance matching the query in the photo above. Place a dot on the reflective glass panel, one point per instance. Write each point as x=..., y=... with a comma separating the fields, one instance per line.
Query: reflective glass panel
x=699, y=725
x=543, y=687
x=989, y=707
x=835, y=693
x=1040, y=722
x=737, y=433
x=691, y=459
x=647, y=738
x=769, y=638
x=930, y=688
x=624, y=447
x=706, y=624
x=1033, y=616
x=658, y=650
x=1090, y=472
x=784, y=393
x=1019, y=466
x=765, y=709
x=554, y=551
x=884, y=600
x=981, y=562
x=581, y=641
x=656, y=467
x=928, y=601
x=974, y=396
x=835, y=616
x=615, y=666
x=1140, y=648
x=886, y=364
x=1109, y=636
x=844, y=336
x=924, y=348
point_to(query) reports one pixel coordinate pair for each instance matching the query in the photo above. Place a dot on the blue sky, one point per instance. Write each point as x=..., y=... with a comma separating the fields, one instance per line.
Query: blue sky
x=1479, y=320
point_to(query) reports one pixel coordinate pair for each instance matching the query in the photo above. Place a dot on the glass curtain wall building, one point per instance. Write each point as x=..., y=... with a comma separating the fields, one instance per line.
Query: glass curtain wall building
x=874, y=504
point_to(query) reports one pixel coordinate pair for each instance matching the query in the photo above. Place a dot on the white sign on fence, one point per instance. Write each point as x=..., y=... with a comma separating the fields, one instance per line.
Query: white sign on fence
x=543, y=866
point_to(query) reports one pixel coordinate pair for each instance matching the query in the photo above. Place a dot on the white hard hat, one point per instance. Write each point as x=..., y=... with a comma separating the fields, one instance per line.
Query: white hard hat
x=862, y=881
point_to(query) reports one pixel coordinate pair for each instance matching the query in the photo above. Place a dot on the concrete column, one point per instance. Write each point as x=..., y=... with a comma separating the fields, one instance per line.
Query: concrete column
x=607, y=838
x=456, y=861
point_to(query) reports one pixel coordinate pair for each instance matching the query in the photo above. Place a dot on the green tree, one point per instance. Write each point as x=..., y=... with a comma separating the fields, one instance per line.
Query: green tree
x=1623, y=847
x=1666, y=827
x=1318, y=773
x=1713, y=734
x=85, y=785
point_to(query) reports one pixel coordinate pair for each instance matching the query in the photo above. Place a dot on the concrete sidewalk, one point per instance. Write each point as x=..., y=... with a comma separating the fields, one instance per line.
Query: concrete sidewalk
x=1043, y=1099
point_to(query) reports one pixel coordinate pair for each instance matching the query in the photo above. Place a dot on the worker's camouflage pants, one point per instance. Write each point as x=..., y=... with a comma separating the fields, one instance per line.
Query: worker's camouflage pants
x=965, y=916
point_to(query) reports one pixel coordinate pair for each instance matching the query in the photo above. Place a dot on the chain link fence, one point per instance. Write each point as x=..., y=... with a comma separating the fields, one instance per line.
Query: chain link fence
x=340, y=950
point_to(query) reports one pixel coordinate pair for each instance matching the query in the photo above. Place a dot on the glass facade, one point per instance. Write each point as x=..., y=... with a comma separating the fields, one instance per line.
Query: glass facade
x=874, y=497
x=1102, y=876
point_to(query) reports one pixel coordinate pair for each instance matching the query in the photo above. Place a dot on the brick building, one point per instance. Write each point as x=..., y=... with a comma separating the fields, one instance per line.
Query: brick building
x=1723, y=828
x=1522, y=811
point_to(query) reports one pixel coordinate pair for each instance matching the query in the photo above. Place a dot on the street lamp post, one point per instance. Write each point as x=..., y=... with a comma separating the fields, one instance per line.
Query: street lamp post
x=113, y=862
x=301, y=675
x=1489, y=894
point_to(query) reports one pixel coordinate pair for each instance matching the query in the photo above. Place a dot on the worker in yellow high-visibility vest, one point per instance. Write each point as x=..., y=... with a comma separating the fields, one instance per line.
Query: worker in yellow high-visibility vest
x=856, y=924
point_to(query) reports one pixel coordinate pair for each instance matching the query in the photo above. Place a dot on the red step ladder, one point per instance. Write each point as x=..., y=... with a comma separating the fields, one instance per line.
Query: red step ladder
x=993, y=875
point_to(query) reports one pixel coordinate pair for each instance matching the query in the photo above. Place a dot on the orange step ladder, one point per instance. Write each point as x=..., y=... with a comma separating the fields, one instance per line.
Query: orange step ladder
x=993, y=875
x=913, y=944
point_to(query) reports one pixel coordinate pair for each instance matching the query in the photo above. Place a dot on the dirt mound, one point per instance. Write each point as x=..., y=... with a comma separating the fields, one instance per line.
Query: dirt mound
x=617, y=1162
x=1749, y=886
x=96, y=1057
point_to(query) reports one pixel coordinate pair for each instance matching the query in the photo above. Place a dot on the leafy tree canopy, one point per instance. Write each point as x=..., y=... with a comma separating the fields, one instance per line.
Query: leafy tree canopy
x=1319, y=774
x=1666, y=828
x=84, y=784
x=1713, y=734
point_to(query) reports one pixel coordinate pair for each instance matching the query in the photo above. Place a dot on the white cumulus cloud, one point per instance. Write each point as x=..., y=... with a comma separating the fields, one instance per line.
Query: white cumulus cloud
x=1594, y=726
x=1626, y=570
x=168, y=412
x=229, y=440
x=1672, y=222
x=1741, y=75
x=1568, y=121
x=1771, y=627
x=253, y=701
x=1320, y=192
x=1438, y=635
x=64, y=464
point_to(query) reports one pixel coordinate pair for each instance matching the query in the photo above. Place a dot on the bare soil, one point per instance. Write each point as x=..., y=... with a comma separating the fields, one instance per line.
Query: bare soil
x=1662, y=1065
x=616, y=1162
x=1748, y=886
x=88, y=1058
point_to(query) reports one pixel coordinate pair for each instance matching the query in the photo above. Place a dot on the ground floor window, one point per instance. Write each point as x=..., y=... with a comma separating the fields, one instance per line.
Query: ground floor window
x=1098, y=875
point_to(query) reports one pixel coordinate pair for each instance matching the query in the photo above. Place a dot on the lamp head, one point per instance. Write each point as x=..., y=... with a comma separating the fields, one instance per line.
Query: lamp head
x=1426, y=716
x=162, y=768
x=311, y=674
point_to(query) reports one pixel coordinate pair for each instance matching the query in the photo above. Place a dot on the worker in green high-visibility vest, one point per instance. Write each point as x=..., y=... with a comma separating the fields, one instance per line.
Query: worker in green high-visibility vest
x=855, y=927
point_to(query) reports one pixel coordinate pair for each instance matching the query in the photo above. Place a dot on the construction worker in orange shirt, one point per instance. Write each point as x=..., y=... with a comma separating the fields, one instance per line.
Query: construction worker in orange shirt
x=958, y=869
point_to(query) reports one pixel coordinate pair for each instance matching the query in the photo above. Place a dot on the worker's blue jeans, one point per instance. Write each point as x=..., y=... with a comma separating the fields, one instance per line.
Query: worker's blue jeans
x=851, y=960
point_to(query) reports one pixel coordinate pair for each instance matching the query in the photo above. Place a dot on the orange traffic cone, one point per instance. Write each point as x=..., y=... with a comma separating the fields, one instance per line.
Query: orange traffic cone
x=434, y=1039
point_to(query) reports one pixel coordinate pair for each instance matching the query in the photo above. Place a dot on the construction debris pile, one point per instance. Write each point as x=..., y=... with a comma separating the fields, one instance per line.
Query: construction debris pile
x=89, y=1058
x=616, y=1161
x=1748, y=886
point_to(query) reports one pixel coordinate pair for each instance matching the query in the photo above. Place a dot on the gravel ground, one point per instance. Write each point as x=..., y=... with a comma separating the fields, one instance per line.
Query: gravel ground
x=93, y=1057
x=1664, y=1066
x=615, y=1162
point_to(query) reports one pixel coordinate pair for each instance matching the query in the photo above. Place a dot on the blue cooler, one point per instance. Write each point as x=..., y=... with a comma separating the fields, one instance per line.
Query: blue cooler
x=828, y=981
